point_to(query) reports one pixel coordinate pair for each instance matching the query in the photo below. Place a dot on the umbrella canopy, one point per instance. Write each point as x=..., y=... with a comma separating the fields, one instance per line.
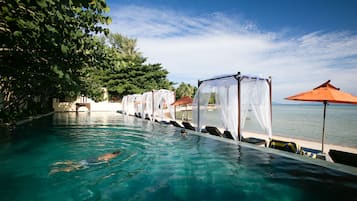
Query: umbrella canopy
x=183, y=101
x=325, y=93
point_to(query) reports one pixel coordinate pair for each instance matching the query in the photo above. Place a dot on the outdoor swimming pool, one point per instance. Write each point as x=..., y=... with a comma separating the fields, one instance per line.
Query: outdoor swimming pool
x=156, y=163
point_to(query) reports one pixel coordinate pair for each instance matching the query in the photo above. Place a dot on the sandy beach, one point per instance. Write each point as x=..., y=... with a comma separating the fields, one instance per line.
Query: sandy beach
x=304, y=143
x=300, y=142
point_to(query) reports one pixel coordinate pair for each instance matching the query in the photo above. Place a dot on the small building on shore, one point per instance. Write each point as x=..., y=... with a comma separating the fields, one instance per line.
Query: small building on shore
x=85, y=104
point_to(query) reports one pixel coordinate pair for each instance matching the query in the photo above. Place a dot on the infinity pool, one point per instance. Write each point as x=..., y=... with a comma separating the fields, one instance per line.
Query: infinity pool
x=156, y=163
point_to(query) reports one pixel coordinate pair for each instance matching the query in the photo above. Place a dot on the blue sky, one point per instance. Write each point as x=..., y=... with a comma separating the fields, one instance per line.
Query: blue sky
x=299, y=43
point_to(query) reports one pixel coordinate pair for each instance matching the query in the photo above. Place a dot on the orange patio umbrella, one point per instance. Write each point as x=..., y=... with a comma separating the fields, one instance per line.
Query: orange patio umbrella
x=186, y=100
x=325, y=93
x=183, y=101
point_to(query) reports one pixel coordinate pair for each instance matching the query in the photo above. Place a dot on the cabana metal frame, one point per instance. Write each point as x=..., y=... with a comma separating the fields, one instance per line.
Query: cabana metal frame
x=241, y=80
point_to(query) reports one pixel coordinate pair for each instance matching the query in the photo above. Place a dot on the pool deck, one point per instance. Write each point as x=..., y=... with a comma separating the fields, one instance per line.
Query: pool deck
x=304, y=143
x=301, y=142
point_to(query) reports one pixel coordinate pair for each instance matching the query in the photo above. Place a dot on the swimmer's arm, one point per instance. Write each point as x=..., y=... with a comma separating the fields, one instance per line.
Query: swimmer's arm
x=64, y=163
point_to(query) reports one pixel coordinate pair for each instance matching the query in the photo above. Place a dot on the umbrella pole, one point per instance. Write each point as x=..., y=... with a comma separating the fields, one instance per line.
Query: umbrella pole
x=186, y=113
x=323, y=127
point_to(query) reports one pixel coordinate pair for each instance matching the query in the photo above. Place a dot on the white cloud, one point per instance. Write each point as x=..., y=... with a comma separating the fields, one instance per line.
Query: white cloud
x=193, y=48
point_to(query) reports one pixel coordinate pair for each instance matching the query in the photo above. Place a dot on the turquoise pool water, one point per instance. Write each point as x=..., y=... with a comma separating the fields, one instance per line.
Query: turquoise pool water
x=156, y=163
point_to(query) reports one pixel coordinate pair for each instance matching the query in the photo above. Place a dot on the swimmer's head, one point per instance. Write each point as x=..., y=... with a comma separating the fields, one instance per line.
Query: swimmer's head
x=116, y=152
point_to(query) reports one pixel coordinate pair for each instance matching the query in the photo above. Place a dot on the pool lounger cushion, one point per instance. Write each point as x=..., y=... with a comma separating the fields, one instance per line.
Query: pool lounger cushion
x=254, y=140
x=188, y=126
x=176, y=124
x=312, y=153
x=228, y=135
x=284, y=146
x=214, y=131
x=165, y=122
x=343, y=157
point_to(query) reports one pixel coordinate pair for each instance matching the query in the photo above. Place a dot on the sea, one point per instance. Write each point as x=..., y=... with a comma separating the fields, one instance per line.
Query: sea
x=306, y=122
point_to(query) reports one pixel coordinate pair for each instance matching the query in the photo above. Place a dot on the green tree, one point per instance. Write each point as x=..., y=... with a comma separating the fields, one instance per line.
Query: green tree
x=128, y=72
x=45, y=45
x=184, y=90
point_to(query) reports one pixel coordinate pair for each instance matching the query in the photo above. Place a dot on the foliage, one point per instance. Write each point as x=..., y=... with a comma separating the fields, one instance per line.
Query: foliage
x=128, y=72
x=46, y=46
x=50, y=48
x=184, y=90
x=212, y=98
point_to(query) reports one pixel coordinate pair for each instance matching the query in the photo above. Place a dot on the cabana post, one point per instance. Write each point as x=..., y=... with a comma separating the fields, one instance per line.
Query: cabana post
x=153, y=106
x=198, y=107
x=271, y=101
x=239, y=109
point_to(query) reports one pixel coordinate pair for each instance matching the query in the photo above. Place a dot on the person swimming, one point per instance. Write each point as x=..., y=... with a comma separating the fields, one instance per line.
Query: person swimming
x=68, y=166
x=183, y=132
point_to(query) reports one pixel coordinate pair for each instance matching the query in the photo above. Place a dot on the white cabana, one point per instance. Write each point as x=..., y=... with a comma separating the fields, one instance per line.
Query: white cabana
x=162, y=104
x=234, y=96
x=124, y=104
x=147, y=105
x=157, y=105
x=131, y=106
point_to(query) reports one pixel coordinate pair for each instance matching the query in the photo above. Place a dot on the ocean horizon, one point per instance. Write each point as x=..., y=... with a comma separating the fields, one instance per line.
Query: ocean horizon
x=305, y=121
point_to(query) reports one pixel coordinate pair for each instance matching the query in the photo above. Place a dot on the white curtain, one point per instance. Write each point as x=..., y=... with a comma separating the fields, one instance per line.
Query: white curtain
x=124, y=104
x=137, y=103
x=131, y=104
x=246, y=87
x=227, y=103
x=255, y=97
x=147, y=105
x=170, y=99
x=162, y=104
x=201, y=99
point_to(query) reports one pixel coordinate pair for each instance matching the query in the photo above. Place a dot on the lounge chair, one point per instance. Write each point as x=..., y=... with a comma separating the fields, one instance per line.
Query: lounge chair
x=214, y=131
x=228, y=135
x=188, y=126
x=164, y=122
x=284, y=146
x=138, y=115
x=147, y=117
x=203, y=130
x=343, y=157
x=176, y=124
x=312, y=153
x=253, y=140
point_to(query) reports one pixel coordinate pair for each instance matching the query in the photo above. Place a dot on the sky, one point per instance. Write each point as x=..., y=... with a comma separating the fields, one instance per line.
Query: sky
x=299, y=43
